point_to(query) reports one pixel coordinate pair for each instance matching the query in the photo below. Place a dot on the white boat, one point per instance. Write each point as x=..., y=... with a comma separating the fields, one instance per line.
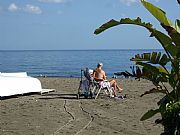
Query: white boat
x=18, y=83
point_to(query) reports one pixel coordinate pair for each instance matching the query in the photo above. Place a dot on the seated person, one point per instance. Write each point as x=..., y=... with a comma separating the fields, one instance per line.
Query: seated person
x=99, y=75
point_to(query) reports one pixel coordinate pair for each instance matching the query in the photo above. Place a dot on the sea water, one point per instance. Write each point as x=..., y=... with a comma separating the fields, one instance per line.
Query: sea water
x=66, y=63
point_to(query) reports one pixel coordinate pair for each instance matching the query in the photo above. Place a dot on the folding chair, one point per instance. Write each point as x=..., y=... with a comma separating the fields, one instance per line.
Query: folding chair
x=104, y=85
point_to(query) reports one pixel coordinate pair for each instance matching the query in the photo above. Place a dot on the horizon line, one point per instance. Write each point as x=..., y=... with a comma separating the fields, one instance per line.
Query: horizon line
x=75, y=49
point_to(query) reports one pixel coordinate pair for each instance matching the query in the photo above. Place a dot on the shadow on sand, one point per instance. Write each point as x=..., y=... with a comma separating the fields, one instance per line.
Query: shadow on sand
x=47, y=96
x=18, y=95
x=62, y=96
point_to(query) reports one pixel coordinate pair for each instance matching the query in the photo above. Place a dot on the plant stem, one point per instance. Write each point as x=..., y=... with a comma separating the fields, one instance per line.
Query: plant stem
x=165, y=88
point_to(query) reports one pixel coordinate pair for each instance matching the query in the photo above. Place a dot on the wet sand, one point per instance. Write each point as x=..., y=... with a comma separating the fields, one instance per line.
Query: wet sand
x=61, y=113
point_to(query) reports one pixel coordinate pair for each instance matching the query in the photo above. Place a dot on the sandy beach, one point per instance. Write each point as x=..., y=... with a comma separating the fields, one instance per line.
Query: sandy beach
x=60, y=113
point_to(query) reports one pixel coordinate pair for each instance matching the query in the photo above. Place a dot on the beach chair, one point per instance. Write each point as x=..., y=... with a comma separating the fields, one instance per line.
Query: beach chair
x=105, y=87
x=90, y=87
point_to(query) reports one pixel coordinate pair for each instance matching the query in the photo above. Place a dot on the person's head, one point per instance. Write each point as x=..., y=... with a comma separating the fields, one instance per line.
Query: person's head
x=99, y=65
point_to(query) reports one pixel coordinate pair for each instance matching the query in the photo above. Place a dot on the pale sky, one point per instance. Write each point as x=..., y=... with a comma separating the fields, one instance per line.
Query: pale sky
x=70, y=24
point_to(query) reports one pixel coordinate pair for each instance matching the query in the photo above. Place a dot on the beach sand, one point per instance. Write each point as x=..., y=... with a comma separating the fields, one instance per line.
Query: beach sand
x=60, y=113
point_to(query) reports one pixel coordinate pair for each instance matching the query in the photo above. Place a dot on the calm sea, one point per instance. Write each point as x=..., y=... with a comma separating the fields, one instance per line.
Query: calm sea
x=66, y=63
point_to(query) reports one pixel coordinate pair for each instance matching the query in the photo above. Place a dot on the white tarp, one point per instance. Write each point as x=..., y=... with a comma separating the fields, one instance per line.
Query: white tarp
x=18, y=83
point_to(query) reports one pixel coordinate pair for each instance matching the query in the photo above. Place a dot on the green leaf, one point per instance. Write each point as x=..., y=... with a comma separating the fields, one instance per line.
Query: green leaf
x=164, y=60
x=107, y=25
x=147, y=56
x=158, y=57
x=162, y=70
x=165, y=40
x=173, y=33
x=177, y=25
x=149, y=114
x=113, y=23
x=148, y=66
x=158, y=13
x=178, y=52
x=155, y=74
x=153, y=57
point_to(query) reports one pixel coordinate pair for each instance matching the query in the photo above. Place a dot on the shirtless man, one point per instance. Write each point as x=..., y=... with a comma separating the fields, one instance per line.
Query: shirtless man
x=100, y=75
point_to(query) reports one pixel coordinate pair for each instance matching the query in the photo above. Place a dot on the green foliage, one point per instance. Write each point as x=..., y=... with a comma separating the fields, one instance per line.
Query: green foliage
x=177, y=25
x=165, y=40
x=171, y=118
x=113, y=23
x=154, y=66
x=158, y=13
x=154, y=58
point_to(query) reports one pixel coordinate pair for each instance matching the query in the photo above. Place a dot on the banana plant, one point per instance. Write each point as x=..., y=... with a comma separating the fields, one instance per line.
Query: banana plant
x=154, y=66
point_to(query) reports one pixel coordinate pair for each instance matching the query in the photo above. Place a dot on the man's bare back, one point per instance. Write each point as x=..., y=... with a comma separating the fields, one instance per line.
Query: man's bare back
x=99, y=74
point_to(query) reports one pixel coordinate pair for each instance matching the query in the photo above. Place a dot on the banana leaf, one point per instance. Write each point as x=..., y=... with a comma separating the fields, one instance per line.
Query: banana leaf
x=148, y=66
x=152, y=68
x=153, y=58
x=158, y=57
x=173, y=33
x=164, y=60
x=162, y=70
x=158, y=13
x=178, y=52
x=147, y=56
x=177, y=25
x=113, y=23
x=155, y=74
x=165, y=40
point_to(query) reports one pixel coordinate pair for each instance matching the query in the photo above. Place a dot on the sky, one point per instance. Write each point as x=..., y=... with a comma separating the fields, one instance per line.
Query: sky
x=70, y=24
